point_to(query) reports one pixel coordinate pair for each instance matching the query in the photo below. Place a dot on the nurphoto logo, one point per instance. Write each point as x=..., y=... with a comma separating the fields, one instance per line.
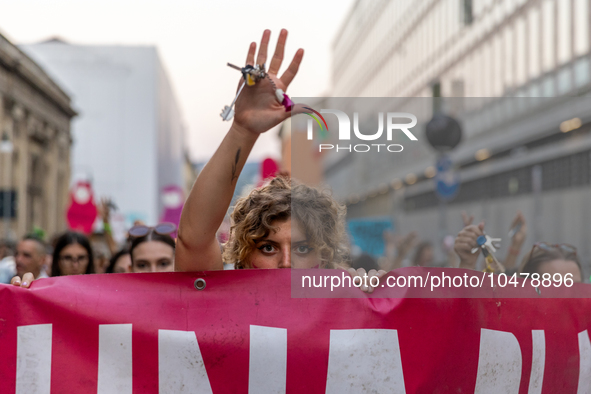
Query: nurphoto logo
x=393, y=124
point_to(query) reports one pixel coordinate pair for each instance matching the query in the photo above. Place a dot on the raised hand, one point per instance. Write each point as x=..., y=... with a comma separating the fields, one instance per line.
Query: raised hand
x=517, y=240
x=467, y=219
x=257, y=110
x=465, y=242
x=519, y=237
x=257, y=107
x=361, y=273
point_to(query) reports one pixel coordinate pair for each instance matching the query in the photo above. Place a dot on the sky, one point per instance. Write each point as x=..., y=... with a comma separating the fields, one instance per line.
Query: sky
x=195, y=40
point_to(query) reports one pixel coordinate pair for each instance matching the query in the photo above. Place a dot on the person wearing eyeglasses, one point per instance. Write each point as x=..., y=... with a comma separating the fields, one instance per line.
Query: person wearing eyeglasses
x=553, y=259
x=152, y=248
x=72, y=255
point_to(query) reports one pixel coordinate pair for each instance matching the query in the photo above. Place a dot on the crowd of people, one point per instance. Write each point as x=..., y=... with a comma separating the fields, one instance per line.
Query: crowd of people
x=283, y=224
x=72, y=253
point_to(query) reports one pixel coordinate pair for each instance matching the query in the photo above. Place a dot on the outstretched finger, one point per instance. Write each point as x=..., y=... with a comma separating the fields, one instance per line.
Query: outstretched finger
x=517, y=219
x=278, y=55
x=292, y=70
x=28, y=278
x=467, y=219
x=262, y=56
x=251, y=51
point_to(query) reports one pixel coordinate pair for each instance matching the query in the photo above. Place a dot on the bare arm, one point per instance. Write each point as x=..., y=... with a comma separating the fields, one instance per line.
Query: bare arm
x=516, y=241
x=257, y=110
x=105, y=210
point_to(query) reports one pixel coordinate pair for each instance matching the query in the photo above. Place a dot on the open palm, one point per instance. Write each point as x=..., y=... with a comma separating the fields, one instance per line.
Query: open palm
x=257, y=108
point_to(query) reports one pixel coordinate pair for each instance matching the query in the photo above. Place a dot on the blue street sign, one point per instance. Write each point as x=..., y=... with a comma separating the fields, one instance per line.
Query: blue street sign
x=447, y=180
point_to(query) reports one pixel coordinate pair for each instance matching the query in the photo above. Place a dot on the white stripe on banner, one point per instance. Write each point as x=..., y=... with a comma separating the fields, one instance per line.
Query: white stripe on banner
x=115, y=361
x=584, y=363
x=364, y=361
x=180, y=365
x=33, y=359
x=499, y=363
x=536, y=379
x=267, y=371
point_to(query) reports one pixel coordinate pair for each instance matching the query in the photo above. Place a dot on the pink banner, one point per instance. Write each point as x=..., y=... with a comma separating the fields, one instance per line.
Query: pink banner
x=244, y=333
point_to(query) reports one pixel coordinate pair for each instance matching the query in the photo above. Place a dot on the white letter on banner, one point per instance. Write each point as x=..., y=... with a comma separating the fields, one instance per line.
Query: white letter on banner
x=499, y=363
x=364, y=361
x=115, y=373
x=180, y=365
x=536, y=378
x=584, y=363
x=33, y=359
x=267, y=371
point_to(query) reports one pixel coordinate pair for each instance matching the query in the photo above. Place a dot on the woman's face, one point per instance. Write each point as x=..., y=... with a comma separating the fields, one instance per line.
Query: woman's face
x=153, y=256
x=286, y=248
x=426, y=257
x=73, y=260
x=123, y=264
x=561, y=267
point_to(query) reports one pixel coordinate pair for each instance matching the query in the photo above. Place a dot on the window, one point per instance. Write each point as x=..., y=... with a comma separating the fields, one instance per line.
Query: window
x=564, y=81
x=548, y=86
x=582, y=72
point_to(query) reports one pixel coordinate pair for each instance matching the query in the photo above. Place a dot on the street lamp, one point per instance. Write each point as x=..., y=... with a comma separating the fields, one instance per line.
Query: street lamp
x=6, y=146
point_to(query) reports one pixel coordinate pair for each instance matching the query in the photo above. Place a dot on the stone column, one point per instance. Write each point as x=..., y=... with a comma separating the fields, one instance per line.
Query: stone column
x=22, y=172
x=64, y=147
x=51, y=183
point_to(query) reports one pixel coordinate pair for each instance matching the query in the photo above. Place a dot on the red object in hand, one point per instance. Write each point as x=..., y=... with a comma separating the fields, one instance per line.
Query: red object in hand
x=82, y=211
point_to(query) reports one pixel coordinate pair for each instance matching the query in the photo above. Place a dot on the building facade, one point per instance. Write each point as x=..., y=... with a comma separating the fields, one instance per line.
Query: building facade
x=129, y=136
x=465, y=48
x=516, y=74
x=35, y=115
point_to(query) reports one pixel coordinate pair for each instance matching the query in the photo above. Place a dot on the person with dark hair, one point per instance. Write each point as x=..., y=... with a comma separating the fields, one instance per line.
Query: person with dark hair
x=30, y=256
x=551, y=259
x=152, y=248
x=72, y=255
x=424, y=255
x=120, y=262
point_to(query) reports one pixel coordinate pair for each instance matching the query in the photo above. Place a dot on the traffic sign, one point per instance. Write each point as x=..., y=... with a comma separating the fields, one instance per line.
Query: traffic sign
x=447, y=180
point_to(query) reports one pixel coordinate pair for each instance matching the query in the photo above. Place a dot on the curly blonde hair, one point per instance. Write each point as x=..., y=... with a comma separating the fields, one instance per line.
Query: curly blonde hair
x=321, y=217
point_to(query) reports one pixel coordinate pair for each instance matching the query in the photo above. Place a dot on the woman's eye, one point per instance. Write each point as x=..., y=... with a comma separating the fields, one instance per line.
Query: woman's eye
x=165, y=263
x=267, y=248
x=302, y=249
